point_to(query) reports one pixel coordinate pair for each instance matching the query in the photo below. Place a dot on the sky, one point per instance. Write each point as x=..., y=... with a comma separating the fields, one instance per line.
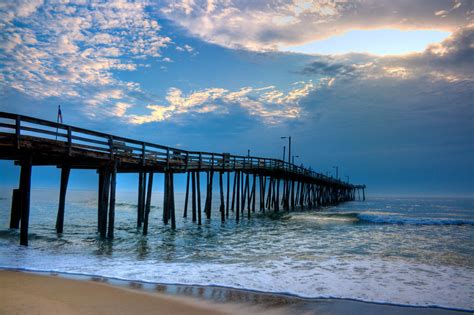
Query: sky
x=382, y=89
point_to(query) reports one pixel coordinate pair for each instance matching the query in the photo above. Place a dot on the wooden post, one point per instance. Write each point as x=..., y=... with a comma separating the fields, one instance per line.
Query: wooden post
x=297, y=196
x=302, y=195
x=206, y=202
x=15, y=210
x=185, y=214
x=292, y=195
x=142, y=209
x=277, y=200
x=262, y=192
x=198, y=197
x=172, y=208
x=222, y=197
x=139, y=206
x=237, y=210
x=148, y=203
x=113, y=184
x=249, y=193
x=253, y=192
x=25, y=189
x=233, y=189
x=318, y=190
x=62, y=198
x=193, y=179
x=104, y=201
x=209, y=195
x=288, y=194
x=245, y=183
x=166, y=199
x=363, y=193
x=99, y=198
x=242, y=192
x=227, y=196
x=269, y=195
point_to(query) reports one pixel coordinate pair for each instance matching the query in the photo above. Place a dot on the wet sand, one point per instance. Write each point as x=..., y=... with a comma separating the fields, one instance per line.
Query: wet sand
x=34, y=293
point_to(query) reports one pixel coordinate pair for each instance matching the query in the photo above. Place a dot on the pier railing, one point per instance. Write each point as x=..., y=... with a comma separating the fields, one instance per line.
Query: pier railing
x=116, y=147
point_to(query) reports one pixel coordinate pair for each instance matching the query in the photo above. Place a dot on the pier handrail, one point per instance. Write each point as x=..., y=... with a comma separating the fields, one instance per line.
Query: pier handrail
x=117, y=146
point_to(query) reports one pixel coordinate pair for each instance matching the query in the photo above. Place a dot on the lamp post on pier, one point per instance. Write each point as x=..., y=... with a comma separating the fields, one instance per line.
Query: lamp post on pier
x=289, y=148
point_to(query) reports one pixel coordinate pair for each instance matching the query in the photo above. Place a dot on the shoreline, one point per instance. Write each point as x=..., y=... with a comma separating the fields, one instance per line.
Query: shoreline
x=228, y=300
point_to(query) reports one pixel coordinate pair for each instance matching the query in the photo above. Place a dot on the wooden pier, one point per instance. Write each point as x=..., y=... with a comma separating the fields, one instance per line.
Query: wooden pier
x=280, y=186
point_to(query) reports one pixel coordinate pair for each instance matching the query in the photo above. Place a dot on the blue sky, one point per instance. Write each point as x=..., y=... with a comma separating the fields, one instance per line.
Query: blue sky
x=383, y=89
x=377, y=42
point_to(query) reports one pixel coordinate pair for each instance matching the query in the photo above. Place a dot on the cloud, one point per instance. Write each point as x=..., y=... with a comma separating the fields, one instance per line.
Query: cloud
x=328, y=68
x=121, y=108
x=74, y=49
x=268, y=103
x=268, y=24
x=450, y=60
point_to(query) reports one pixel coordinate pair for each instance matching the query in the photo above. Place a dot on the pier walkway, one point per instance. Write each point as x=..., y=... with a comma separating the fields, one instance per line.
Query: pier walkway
x=281, y=186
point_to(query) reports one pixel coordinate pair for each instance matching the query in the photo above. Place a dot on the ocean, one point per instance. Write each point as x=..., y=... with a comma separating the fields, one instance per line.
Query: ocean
x=408, y=251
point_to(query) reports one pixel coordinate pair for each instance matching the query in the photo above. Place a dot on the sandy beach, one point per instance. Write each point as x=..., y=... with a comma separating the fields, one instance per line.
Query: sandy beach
x=31, y=293
x=24, y=293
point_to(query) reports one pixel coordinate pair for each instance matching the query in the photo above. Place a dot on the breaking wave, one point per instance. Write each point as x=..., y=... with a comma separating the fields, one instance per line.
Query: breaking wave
x=354, y=217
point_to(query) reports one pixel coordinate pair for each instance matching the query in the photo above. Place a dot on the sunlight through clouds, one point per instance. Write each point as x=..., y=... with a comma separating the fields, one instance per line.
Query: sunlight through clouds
x=270, y=25
x=111, y=58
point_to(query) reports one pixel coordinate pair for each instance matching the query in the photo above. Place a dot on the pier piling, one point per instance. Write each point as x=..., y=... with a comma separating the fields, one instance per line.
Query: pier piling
x=65, y=170
x=227, y=196
x=25, y=189
x=104, y=201
x=148, y=203
x=113, y=184
x=221, y=187
x=237, y=209
x=193, y=195
x=185, y=212
x=172, y=204
x=198, y=183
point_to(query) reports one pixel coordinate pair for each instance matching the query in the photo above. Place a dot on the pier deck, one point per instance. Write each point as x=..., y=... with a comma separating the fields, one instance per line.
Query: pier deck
x=35, y=142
